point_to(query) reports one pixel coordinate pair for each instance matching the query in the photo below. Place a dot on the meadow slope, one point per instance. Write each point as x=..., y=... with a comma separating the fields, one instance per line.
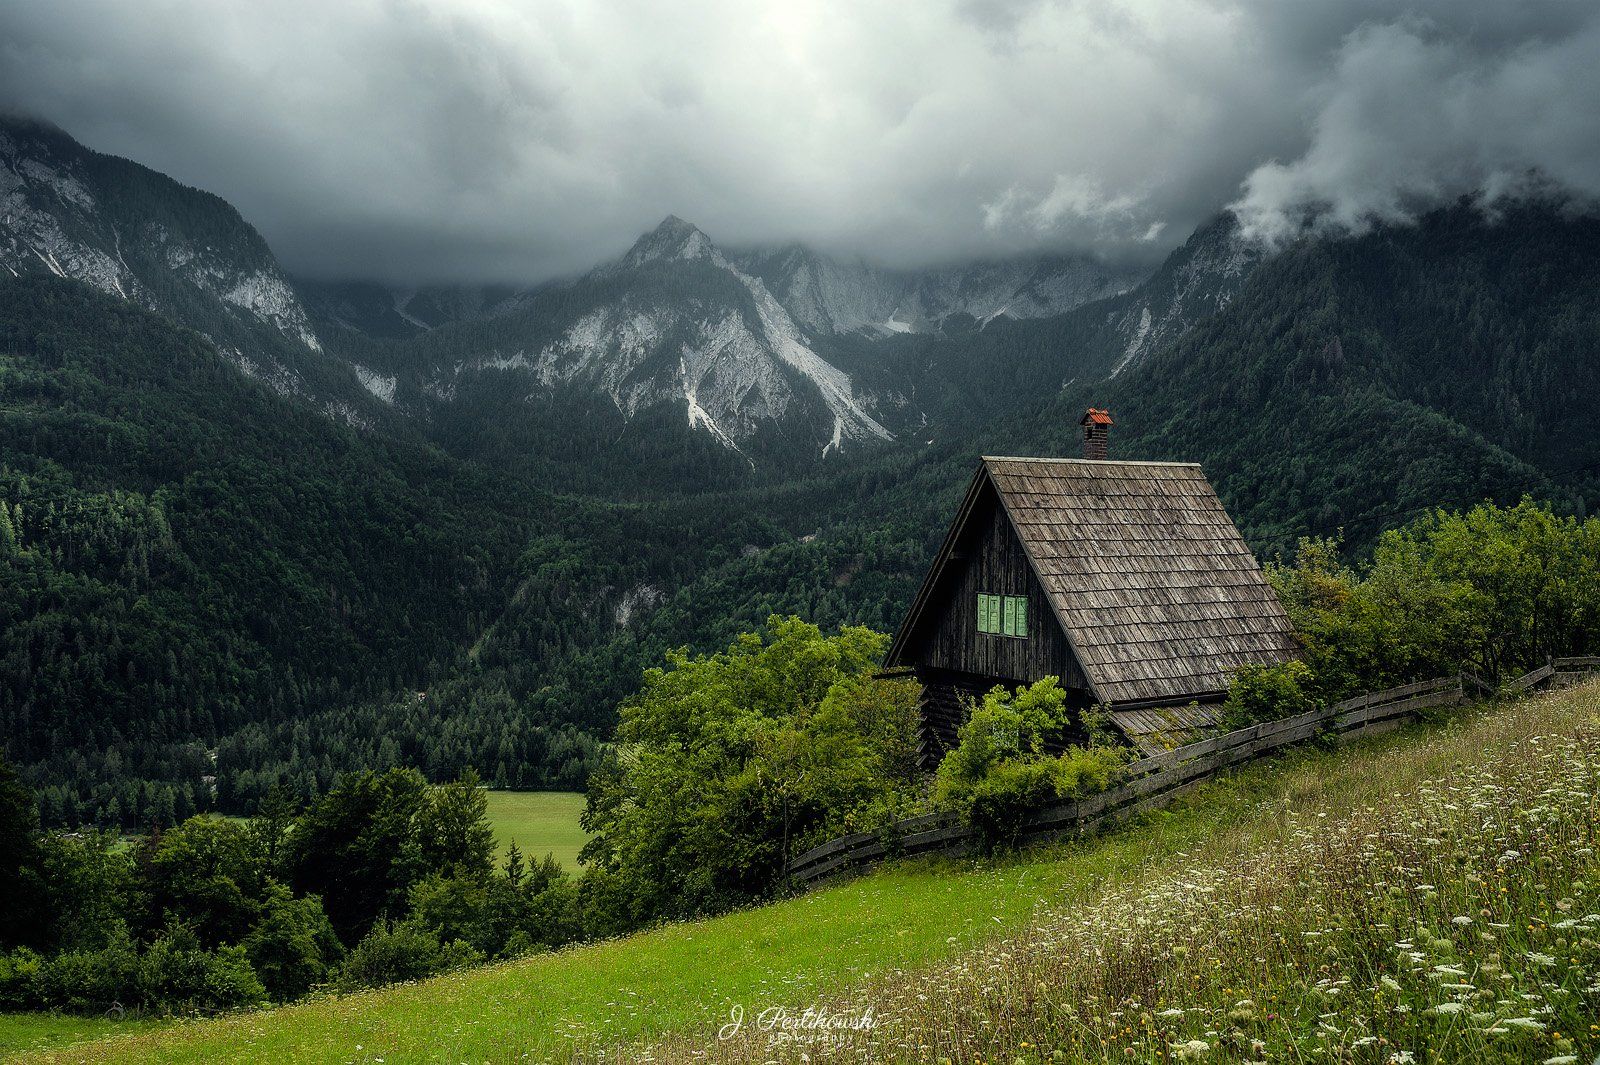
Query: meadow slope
x=1225, y=927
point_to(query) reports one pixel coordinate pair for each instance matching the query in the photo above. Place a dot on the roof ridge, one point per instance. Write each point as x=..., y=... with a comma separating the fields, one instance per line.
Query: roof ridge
x=1084, y=462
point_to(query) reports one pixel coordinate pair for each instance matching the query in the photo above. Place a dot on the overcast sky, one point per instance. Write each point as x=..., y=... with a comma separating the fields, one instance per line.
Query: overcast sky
x=421, y=140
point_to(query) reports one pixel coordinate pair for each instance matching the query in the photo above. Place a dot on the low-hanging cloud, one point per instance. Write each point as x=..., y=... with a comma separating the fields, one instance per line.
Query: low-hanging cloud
x=1411, y=117
x=425, y=140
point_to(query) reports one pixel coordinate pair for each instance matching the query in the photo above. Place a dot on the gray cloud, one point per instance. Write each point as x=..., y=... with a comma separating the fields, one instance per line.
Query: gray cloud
x=1413, y=115
x=490, y=139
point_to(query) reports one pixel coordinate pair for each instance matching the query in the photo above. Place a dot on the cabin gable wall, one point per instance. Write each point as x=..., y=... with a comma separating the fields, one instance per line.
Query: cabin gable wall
x=989, y=559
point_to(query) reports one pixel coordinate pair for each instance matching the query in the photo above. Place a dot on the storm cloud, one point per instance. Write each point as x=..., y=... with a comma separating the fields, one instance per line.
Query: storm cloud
x=420, y=140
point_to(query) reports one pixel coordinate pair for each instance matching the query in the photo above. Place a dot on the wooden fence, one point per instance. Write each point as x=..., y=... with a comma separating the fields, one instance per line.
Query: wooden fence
x=1152, y=782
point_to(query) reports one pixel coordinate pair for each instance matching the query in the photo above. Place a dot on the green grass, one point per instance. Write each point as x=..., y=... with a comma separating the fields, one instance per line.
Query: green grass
x=678, y=982
x=539, y=823
x=49, y=1031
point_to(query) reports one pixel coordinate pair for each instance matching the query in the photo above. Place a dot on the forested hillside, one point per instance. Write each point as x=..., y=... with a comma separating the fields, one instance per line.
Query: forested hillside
x=1352, y=382
x=204, y=580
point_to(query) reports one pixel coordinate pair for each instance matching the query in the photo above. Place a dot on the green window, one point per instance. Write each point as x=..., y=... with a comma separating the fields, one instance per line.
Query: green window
x=1016, y=616
x=1003, y=615
x=989, y=609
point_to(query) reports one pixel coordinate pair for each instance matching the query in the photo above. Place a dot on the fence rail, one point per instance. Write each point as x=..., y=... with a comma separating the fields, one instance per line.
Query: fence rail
x=1155, y=780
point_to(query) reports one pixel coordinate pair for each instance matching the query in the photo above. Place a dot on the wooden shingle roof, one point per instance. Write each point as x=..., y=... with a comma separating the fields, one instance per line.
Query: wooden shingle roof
x=1158, y=593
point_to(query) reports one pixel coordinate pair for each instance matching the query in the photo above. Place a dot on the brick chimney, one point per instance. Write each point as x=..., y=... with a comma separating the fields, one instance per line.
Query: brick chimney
x=1096, y=428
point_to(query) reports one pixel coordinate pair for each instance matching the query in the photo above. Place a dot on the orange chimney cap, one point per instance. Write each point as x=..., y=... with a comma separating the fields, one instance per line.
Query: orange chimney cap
x=1096, y=417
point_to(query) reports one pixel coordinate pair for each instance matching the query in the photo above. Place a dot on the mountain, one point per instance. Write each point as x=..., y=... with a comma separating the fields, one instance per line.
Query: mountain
x=134, y=233
x=827, y=296
x=249, y=541
x=69, y=212
x=1349, y=384
x=670, y=342
x=1195, y=282
x=185, y=551
x=389, y=312
x=770, y=355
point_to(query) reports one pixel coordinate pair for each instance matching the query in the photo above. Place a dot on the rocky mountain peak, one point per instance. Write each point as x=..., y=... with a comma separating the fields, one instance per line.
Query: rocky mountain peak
x=672, y=239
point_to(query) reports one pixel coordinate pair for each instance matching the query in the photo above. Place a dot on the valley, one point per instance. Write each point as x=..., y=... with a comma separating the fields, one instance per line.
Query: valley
x=449, y=526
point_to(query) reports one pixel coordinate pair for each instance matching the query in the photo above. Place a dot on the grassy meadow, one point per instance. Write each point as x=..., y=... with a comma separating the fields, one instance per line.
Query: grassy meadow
x=44, y=1031
x=1429, y=895
x=539, y=823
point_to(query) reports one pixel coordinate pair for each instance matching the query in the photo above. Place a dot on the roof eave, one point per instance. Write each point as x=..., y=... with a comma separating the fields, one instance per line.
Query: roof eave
x=940, y=560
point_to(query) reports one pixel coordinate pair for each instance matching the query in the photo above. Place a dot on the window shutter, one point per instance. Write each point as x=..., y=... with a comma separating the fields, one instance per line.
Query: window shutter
x=983, y=612
x=993, y=617
x=1008, y=623
x=1022, y=616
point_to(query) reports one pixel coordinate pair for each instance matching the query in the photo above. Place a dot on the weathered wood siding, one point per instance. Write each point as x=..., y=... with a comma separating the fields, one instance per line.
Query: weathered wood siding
x=991, y=559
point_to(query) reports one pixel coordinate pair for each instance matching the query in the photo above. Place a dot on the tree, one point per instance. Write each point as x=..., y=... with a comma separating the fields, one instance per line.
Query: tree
x=20, y=883
x=450, y=833
x=292, y=947
x=730, y=762
x=349, y=845
x=208, y=873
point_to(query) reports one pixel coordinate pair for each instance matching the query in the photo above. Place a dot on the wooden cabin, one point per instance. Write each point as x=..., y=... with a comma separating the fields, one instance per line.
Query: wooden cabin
x=1126, y=580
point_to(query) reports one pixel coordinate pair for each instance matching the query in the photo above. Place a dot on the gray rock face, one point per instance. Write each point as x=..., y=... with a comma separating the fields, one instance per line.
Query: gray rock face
x=131, y=232
x=1195, y=282
x=676, y=322
x=829, y=296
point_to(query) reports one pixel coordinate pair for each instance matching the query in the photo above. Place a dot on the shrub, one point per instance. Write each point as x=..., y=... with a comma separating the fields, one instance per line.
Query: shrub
x=1268, y=693
x=19, y=980
x=1000, y=771
x=82, y=981
x=177, y=975
x=404, y=951
x=1002, y=801
x=174, y=975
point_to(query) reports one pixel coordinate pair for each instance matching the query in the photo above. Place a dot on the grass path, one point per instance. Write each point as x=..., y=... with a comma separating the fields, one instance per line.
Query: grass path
x=684, y=978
